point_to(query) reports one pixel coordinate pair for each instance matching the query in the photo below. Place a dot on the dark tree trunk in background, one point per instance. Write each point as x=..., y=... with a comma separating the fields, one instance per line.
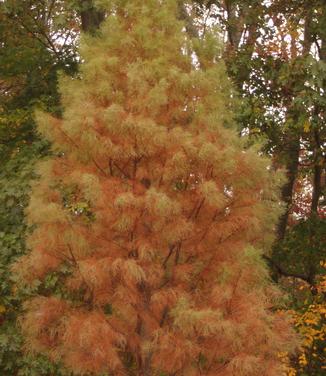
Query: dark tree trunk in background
x=189, y=23
x=91, y=17
x=319, y=159
x=292, y=146
x=319, y=165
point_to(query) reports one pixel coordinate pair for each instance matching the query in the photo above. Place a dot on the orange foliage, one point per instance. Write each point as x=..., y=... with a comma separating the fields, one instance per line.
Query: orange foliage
x=157, y=212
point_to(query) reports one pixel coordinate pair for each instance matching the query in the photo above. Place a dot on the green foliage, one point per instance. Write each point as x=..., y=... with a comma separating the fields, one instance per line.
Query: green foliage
x=279, y=70
x=303, y=248
x=28, y=79
x=14, y=362
x=15, y=176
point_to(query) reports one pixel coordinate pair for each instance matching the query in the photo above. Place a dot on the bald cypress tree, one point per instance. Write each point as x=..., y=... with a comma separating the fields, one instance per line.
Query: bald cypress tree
x=151, y=213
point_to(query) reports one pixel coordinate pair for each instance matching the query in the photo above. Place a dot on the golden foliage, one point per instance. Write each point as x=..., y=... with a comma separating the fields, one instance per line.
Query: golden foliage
x=311, y=324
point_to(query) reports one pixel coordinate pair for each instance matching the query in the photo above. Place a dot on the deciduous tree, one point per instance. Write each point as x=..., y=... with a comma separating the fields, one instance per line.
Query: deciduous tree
x=151, y=214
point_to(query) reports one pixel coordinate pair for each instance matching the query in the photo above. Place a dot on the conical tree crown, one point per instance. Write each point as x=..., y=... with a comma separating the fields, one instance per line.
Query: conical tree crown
x=151, y=213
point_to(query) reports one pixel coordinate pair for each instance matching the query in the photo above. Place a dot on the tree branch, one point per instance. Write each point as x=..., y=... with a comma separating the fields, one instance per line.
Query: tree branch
x=285, y=273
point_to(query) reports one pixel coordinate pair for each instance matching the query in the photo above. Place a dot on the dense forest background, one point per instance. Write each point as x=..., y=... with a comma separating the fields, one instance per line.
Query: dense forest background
x=275, y=55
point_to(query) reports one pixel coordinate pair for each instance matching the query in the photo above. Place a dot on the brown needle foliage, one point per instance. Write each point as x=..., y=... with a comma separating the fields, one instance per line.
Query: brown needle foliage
x=156, y=210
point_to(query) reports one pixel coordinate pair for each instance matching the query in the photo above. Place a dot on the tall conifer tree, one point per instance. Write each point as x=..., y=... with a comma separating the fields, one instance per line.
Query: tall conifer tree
x=151, y=213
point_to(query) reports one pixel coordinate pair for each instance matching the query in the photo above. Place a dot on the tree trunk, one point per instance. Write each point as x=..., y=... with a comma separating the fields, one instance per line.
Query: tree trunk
x=189, y=23
x=91, y=18
x=319, y=160
x=292, y=155
x=292, y=148
x=318, y=167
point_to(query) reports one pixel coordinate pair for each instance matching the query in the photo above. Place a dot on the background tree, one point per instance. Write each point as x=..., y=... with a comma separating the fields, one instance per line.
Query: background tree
x=38, y=39
x=151, y=214
x=275, y=56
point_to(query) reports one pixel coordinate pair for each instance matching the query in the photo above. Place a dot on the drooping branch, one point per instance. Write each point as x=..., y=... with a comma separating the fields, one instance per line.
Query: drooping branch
x=285, y=273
